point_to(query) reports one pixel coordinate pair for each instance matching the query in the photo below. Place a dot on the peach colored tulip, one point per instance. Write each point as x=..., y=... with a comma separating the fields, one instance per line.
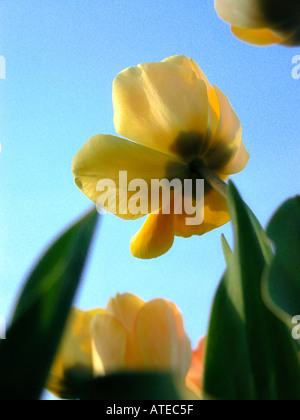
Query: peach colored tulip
x=129, y=335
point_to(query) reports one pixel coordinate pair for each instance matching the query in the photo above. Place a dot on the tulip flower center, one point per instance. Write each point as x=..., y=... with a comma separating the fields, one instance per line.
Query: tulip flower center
x=198, y=168
x=188, y=144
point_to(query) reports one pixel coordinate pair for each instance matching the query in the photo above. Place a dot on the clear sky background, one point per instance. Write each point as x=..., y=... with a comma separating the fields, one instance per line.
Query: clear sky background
x=62, y=57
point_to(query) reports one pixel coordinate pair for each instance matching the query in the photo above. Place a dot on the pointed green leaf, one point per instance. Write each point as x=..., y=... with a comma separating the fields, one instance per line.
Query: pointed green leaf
x=32, y=340
x=250, y=354
x=263, y=239
x=226, y=250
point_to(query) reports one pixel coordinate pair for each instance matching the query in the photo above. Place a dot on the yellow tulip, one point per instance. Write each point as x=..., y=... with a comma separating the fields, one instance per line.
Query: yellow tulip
x=174, y=119
x=129, y=335
x=262, y=22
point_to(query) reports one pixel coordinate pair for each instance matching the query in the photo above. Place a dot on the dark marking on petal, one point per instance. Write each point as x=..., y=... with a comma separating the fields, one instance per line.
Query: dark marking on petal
x=78, y=183
x=188, y=145
x=219, y=156
x=282, y=15
x=174, y=171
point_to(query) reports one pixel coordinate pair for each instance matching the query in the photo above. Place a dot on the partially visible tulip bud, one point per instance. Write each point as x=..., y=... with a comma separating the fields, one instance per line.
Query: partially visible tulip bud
x=263, y=22
x=129, y=335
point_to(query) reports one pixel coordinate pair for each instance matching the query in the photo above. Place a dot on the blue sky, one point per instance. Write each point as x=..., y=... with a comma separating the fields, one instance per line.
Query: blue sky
x=62, y=57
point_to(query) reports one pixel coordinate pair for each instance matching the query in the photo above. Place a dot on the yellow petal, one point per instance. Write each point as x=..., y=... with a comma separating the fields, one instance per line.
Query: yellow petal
x=215, y=215
x=109, y=340
x=125, y=309
x=260, y=37
x=241, y=13
x=75, y=351
x=262, y=22
x=226, y=152
x=155, y=103
x=104, y=157
x=184, y=343
x=162, y=339
x=214, y=108
x=155, y=238
x=237, y=163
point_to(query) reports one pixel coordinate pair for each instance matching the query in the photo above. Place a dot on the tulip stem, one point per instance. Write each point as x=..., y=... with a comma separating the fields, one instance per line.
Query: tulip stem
x=210, y=177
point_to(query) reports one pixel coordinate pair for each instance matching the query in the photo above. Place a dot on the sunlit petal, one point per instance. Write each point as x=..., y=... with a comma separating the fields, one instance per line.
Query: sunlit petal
x=225, y=151
x=214, y=108
x=104, y=157
x=161, y=346
x=154, y=103
x=125, y=308
x=215, y=215
x=184, y=343
x=155, y=238
x=261, y=37
x=241, y=13
x=109, y=339
x=238, y=162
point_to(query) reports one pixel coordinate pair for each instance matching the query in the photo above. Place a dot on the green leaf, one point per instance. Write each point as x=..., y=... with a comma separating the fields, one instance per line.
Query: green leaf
x=282, y=278
x=226, y=250
x=125, y=386
x=250, y=353
x=32, y=340
x=263, y=239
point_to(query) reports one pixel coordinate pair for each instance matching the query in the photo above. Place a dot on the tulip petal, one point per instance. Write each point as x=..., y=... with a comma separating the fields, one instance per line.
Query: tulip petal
x=75, y=351
x=238, y=163
x=293, y=39
x=155, y=103
x=194, y=379
x=282, y=15
x=109, y=340
x=225, y=153
x=214, y=108
x=103, y=157
x=184, y=343
x=241, y=13
x=260, y=37
x=262, y=22
x=215, y=215
x=162, y=339
x=125, y=309
x=155, y=238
